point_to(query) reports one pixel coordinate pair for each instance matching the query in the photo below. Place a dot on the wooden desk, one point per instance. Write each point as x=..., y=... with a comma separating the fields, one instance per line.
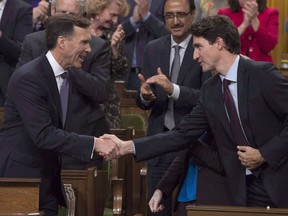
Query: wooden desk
x=19, y=195
x=233, y=211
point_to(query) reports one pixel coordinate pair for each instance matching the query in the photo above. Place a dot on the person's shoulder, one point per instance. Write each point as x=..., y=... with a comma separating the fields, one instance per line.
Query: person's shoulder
x=271, y=10
x=97, y=43
x=20, y=4
x=37, y=35
x=159, y=41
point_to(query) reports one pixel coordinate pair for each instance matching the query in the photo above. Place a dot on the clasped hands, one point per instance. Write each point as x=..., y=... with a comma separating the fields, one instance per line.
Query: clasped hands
x=111, y=147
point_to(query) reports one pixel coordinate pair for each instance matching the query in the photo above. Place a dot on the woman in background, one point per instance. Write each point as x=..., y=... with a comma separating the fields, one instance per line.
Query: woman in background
x=208, y=8
x=257, y=25
x=103, y=15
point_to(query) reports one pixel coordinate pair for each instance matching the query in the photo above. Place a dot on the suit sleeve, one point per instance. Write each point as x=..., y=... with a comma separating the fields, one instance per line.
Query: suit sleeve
x=275, y=91
x=11, y=46
x=171, y=178
x=186, y=133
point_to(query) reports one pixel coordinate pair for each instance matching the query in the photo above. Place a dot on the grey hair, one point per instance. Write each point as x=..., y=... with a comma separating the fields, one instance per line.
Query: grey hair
x=82, y=3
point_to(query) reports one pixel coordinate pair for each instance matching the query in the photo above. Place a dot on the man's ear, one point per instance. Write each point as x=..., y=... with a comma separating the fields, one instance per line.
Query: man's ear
x=219, y=43
x=61, y=42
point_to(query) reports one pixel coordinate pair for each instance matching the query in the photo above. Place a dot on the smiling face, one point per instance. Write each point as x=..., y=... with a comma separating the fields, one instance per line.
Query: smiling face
x=178, y=19
x=66, y=6
x=110, y=15
x=75, y=48
x=205, y=53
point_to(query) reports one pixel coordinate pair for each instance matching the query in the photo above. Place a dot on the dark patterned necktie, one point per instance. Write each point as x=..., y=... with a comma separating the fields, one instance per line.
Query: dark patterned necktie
x=233, y=116
x=169, y=121
x=64, y=92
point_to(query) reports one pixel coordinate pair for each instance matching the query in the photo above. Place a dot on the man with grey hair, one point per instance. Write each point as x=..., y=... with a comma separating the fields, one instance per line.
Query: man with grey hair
x=91, y=82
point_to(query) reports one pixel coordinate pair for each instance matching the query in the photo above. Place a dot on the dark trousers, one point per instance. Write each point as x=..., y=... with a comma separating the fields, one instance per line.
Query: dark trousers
x=257, y=196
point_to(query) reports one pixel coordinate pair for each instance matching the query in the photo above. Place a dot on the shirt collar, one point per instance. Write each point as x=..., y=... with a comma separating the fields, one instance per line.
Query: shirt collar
x=57, y=69
x=2, y=4
x=183, y=44
x=232, y=72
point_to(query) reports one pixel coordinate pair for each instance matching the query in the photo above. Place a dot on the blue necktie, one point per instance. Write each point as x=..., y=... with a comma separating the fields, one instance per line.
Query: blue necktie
x=64, y=92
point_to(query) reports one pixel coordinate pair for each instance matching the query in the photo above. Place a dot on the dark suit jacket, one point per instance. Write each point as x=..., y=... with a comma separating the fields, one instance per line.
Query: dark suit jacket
x=211, y=182
x=157, y=54
x=151, y=29
x=15, y=23
x=263, y=107
x=84, y=115
x=32, y=138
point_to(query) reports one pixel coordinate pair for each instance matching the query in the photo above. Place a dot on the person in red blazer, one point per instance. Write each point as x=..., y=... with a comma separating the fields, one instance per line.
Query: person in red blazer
x=257, y=25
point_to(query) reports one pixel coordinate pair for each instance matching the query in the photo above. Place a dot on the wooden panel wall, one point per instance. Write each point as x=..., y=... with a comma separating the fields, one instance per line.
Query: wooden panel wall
x=282, y=46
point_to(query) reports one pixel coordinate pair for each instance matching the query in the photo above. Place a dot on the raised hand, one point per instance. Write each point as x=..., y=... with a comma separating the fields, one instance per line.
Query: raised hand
x=136, y=15
x=162, y=80
x=143, y=7
x=116, y=40
x=154, y=203
x=145, y=89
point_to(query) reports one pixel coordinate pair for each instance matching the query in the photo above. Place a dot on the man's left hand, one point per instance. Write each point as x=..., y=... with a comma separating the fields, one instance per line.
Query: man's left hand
x=250, y=158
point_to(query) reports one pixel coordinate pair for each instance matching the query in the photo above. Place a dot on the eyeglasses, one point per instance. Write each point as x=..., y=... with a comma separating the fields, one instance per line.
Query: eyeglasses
x=178, y=15
x=67, y=12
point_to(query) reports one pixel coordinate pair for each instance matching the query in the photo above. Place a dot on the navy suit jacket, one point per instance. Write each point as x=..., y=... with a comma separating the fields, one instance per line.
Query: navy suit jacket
x=90, y=88
x=15, y=23
x=263, y=108
x=32, y=138
x=157, y=54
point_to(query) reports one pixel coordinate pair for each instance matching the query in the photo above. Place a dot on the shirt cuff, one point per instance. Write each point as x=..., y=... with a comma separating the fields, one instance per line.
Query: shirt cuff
x=175, y=93
x=92, y=153
x=133, y=23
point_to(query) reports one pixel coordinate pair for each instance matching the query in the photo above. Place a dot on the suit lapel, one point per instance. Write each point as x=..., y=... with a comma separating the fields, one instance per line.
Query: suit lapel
x=184, y=69
x=7, y=13
x=242, y=89
x=165, y=56
x=220, y=112
x=51, y=82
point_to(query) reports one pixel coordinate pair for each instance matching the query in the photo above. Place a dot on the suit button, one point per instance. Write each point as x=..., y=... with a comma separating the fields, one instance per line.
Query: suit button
x=251, y=49
x=250, y=37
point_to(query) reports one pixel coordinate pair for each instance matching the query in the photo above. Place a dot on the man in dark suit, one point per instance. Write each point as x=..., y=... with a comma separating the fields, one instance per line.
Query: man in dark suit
x=143, y=24
x=32, y=138
x=160, y=53
x=16, y=22
x=91, y=83
x=256, y=167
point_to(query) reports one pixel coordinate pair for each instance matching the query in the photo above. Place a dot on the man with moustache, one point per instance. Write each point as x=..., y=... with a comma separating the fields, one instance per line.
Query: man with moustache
x=169, y=98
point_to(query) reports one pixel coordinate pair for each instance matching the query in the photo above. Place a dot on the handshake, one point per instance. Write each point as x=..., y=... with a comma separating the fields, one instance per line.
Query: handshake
x=111, y=147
